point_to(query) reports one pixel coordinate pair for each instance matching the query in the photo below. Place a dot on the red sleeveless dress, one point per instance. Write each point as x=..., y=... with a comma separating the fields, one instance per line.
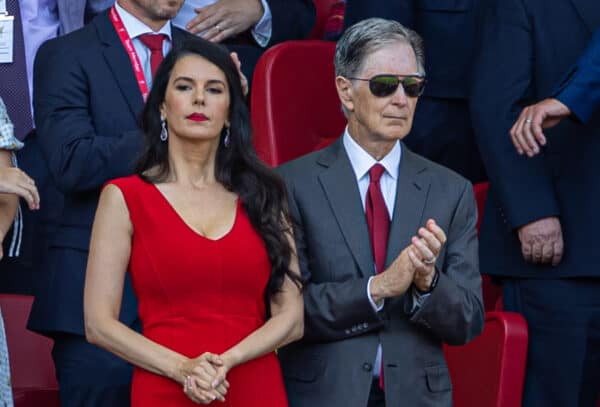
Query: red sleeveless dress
x=198, y=295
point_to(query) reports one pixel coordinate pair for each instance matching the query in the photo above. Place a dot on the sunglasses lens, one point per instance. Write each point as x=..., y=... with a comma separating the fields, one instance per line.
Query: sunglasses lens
x=413, y=87
x=386, y=85
x=383, y=85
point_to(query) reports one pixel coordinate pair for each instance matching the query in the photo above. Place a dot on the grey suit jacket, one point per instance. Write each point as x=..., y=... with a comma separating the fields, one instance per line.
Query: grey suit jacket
x=332, y=365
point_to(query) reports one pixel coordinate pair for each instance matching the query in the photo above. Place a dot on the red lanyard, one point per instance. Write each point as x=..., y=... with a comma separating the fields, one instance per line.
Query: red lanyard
x=133, y=56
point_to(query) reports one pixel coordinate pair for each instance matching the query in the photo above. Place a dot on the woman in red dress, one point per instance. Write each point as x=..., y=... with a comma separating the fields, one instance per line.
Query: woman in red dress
x=203, y=230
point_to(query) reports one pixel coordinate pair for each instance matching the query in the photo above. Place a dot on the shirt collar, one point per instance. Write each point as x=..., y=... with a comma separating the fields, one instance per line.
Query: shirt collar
x=362, y=161
x=135, y=27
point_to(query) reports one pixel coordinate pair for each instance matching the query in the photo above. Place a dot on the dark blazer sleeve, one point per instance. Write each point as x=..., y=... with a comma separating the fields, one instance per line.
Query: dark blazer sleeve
x=454, y=310
x=333, y=310
x=580, y=90
x=78, y=159
x=291, y=19
x=502, y=87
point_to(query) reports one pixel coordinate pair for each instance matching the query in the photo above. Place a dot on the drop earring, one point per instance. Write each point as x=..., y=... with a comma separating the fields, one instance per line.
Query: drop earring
x=226, y=136
x=164, y=133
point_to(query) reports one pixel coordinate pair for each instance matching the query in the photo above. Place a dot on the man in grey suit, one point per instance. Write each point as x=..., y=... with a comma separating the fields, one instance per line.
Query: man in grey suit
x=384, y=292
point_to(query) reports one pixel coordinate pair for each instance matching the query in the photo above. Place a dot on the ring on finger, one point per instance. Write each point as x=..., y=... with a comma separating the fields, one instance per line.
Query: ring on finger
x=429, y=262
x=219, y=29
x=528, y=120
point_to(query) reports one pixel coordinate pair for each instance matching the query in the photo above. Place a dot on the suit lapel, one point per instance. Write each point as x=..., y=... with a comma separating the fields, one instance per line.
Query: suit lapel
x=340, y=187
x=589, y=10
x=411, y=195
x=118, y=62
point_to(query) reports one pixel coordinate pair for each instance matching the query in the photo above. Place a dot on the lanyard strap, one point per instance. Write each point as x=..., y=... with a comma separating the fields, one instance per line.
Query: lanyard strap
x=128, y=45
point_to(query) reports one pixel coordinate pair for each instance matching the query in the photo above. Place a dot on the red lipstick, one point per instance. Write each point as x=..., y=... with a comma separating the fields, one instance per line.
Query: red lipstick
x=197, y=117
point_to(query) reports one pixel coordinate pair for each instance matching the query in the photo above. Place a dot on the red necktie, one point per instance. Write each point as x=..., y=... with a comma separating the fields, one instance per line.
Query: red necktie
x=378, y=221
x=154, y=42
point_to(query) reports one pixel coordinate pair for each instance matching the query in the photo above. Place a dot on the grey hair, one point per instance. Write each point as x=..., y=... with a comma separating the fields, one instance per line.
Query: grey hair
x=368, y=36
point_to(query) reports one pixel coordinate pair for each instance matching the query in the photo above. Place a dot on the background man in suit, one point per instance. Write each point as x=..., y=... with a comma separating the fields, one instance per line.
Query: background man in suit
x=578, y=95
x=380, y=293
x=539, y=231
x=442, y=129
x=87, y=98
x=248, y=27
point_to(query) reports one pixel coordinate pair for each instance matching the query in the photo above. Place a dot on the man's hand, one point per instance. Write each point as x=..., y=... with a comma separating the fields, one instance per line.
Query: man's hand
x=527, y=134
x=225, y=18
x=424, y=252
x=238, y=64
x=395, y=280
x=542, y=241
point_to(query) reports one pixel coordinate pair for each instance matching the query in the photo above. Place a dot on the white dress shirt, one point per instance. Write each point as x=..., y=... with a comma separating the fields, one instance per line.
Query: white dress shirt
x=261, y=31
x=135, y=28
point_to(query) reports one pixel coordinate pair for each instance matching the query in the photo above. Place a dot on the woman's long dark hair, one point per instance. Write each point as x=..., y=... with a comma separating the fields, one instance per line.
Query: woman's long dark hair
x=238, y=168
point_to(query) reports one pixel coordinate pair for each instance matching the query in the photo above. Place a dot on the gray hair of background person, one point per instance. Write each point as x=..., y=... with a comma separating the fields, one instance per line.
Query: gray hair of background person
x=368, y=36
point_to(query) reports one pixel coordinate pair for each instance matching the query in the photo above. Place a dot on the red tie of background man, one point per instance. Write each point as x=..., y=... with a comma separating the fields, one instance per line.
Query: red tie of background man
x=154, y=42
x=378, y=221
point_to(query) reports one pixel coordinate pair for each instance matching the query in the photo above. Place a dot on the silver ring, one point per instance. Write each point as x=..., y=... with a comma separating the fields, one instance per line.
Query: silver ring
x=429, y=262
x=528, y=120
x=218, y=28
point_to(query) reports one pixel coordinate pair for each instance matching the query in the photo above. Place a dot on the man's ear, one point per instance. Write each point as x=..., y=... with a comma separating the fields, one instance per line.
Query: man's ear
x=345, y=92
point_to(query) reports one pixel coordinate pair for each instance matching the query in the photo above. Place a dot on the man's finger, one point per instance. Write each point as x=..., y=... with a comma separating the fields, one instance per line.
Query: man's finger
x=425, y=252
x=547, y=253
x=536, y=126
x=526, y=252
x=432, y=242
x=557, y=252
x=437, y=231
x=527, y=135
x=536, y=252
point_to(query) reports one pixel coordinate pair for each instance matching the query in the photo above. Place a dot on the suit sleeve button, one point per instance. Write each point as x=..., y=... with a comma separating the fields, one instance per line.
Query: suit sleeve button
x=367, y=367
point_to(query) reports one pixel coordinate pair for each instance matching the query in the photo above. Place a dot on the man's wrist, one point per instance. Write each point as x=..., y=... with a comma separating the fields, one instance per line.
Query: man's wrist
x=434, y=281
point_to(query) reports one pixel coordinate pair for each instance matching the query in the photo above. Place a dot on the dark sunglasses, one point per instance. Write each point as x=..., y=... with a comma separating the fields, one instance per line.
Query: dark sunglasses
x=386, y=84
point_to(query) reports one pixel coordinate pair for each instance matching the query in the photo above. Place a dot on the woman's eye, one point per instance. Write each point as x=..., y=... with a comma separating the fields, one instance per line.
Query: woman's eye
x=215, y=90
x=183, y=87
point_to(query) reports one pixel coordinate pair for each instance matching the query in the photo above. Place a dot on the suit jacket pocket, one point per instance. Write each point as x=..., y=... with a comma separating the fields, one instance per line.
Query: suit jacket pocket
x=438, y=378
x=305, y=369
x=445, y=5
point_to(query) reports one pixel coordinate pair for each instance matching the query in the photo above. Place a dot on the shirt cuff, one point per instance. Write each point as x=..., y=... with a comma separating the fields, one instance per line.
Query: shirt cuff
x=263, y=29
x=376, y=307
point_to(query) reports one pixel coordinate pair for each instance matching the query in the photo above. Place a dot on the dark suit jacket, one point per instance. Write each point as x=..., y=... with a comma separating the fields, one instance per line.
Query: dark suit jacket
x=526, y=52
x=580, y=90
x=87, y=103
x=449, y=29
x=332, y=364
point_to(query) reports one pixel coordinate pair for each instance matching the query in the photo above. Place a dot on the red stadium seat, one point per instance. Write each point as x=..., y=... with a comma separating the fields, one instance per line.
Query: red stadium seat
x=295, y=108
x=490, y=370
x=323, y=9
x=32, y=370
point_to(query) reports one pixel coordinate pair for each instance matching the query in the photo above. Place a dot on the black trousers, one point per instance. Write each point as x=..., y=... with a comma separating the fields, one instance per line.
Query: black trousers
x=563, y=357
x=89, y=376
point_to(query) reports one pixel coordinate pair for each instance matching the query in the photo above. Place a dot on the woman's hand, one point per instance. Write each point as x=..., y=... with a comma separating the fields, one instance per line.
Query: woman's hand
x=203, y=382
x=15, y=181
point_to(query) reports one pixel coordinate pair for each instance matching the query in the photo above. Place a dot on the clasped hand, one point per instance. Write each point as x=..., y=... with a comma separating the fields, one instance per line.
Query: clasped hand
x=204, y=378
x=414, y=265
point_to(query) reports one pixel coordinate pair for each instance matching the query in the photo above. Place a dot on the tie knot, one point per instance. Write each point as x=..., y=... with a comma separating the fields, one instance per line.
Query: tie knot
x=376, y=172
x=154, y=42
